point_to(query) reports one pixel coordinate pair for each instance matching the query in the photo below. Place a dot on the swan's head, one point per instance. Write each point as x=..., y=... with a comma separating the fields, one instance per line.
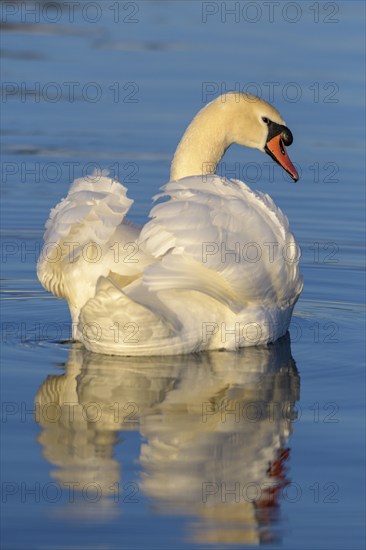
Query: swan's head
x=255, y=123
x=231, y=118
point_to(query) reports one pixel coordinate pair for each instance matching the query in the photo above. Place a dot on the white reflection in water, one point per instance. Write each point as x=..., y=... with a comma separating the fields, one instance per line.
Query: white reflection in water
x=215, y=429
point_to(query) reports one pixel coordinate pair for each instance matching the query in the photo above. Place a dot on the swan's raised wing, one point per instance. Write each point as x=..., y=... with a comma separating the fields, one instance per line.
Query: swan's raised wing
x=234, y=233
x=84, y=239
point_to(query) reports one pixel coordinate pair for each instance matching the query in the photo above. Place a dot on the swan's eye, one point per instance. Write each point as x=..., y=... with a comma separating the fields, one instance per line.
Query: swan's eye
x=265, y=120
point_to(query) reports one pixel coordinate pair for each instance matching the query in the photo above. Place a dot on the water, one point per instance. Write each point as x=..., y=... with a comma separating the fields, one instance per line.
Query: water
x=138, y=453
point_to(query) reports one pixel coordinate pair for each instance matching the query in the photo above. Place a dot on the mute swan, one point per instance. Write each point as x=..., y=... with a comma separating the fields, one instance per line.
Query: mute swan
x=216, y=267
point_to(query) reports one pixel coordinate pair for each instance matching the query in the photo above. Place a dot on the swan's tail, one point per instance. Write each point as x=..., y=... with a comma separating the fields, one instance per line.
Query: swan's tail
x=112, y=322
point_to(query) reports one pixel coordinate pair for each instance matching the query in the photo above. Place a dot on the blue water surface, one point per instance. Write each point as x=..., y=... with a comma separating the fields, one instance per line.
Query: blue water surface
x=221, y=450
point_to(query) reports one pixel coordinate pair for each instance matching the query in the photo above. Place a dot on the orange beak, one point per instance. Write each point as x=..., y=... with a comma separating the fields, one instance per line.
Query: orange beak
x=276, y=149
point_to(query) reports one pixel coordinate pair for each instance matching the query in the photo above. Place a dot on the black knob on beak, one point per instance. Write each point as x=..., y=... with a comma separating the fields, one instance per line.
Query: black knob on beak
x=286, y=136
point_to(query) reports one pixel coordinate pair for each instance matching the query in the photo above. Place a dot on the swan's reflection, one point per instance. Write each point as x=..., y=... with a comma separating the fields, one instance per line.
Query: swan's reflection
x=215, y=428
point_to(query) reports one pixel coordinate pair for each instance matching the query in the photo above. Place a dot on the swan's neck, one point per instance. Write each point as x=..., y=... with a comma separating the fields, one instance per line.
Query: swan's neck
x=230, y=118
x=202, y=145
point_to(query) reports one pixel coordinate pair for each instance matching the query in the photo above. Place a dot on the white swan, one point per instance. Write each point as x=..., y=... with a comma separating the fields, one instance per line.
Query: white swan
x=216, y=267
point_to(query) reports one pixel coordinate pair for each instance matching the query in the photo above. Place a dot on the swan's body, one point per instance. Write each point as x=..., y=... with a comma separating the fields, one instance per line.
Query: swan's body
x=215, y=268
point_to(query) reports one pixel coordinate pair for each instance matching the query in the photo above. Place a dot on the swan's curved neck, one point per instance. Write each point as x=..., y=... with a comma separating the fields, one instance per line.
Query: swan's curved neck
x=230, y=118
x=202, y=145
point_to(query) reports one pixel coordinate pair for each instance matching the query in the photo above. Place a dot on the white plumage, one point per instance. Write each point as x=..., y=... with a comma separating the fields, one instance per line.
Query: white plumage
x=216, y=267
